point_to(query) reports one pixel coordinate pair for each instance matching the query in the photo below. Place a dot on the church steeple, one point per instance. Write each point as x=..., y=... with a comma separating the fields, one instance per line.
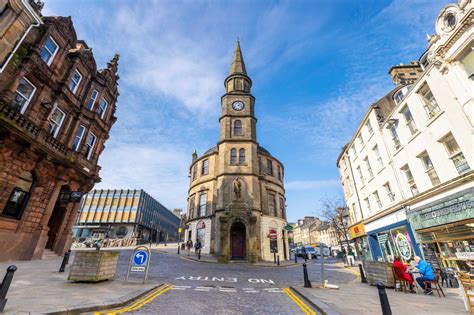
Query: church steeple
x=238, y=65
x=238, y=81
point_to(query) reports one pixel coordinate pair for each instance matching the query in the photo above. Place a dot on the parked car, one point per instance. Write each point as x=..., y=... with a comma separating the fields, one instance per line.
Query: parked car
x=309, y=250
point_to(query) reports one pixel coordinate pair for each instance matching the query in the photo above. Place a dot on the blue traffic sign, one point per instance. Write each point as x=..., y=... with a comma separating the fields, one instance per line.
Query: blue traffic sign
x=140, y=257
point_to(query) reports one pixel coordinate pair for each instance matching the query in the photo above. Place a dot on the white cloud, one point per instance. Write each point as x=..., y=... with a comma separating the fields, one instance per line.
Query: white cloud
x=312, y=184
x=160, y=171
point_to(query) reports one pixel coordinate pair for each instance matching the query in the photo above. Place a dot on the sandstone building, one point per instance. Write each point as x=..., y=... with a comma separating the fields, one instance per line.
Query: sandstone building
x=407, y=172
x=56, y=111
x=236, y=203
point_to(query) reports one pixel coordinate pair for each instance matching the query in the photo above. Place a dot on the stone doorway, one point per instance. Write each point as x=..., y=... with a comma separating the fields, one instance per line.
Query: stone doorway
x=237, y=240
x=57, y=217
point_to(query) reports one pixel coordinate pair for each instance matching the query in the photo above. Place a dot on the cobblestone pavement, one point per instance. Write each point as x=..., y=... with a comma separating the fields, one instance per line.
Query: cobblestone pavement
x=208, y=288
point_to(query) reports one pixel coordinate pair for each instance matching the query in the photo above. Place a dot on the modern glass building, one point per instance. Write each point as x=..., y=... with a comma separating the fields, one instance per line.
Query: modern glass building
x=125, y=213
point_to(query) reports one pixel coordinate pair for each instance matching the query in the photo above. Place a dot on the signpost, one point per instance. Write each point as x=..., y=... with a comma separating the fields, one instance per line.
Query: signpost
x=139, y=261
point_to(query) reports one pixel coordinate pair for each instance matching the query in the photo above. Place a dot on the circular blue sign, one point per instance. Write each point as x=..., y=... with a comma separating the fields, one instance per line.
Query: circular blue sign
x=140, y=257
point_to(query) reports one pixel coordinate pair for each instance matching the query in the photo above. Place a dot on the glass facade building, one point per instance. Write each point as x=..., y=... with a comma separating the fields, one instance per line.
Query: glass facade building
x=125, y=213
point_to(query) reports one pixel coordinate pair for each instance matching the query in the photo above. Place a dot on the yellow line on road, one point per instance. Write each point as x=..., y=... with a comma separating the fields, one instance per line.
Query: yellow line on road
x=305, y=308
x=139, y=303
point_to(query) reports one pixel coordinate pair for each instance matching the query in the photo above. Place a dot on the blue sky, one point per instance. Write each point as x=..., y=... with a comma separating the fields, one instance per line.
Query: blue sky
x=316, y=66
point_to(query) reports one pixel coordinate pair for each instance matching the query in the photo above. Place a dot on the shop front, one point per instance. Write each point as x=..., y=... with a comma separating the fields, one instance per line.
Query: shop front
x=358, y=237
x=392, y=236
x=445, y=228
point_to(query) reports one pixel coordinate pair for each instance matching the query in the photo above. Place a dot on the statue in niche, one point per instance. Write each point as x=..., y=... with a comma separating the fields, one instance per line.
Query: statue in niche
x=237, y=189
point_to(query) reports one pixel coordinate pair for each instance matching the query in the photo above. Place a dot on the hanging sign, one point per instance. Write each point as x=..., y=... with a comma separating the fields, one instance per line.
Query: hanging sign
x=403, y=245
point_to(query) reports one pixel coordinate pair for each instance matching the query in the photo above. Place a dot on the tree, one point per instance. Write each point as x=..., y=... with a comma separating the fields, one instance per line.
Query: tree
x=336, y=213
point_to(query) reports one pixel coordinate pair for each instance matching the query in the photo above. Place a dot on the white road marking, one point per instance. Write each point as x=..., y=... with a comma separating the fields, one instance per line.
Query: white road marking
x=182, y=289
x=182, y=286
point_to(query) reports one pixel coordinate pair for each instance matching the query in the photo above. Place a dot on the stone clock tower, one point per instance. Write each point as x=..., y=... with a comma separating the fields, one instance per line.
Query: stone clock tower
x=236, y=203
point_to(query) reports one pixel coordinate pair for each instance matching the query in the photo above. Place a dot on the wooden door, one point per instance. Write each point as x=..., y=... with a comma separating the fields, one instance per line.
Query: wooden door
x=238, y=244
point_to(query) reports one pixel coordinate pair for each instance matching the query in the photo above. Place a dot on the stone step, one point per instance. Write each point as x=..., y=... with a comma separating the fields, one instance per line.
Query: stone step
x=49, y=254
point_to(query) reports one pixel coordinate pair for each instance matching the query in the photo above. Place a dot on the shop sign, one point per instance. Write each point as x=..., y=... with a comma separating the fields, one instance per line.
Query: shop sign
x=450, y=209
x=403, y=245
x=357, y=230
x=465, y=255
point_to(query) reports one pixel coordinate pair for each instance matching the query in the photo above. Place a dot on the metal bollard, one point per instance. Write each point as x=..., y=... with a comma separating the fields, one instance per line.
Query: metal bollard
x=307, y=283
x=384, y=299
x=274, y=258
x=296, y=257
x=362, y=274
x=278, y=260
x=5, y=285
x=65, y=261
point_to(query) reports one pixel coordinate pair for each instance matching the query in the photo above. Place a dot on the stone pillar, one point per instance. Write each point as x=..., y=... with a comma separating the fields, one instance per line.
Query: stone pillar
x=64, y=240
x=224, y=240
x=254, y=244
x=40, y=234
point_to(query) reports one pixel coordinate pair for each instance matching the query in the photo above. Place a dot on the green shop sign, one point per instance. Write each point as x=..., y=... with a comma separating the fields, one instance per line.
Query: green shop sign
x=457, y=207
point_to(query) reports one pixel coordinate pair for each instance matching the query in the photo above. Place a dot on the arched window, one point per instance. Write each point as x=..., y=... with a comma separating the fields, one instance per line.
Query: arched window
x=19, y=196
x=238, y=127
x=241, y=156
x=233, y=156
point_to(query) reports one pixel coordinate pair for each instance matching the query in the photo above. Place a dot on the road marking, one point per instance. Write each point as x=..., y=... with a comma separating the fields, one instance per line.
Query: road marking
x=140, y=302
x=305, y=308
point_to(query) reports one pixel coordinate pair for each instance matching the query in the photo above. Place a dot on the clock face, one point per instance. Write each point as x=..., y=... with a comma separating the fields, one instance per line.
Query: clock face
x=238, y=105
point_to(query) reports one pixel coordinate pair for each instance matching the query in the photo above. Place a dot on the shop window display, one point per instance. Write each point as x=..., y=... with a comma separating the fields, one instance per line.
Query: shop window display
x=395, y=242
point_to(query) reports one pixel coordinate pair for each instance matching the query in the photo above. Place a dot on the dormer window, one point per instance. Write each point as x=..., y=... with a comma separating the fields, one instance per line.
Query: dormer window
x=49, y=50
x=102, y=108
x=450, y=21
x=400, y=95
x=75, y=80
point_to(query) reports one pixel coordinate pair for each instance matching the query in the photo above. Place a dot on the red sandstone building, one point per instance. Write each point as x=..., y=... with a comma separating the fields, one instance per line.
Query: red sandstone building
x=56, y=111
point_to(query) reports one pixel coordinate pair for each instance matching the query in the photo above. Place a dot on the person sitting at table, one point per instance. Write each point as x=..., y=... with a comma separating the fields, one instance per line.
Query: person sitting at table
x=426, y=272
x=402, y=271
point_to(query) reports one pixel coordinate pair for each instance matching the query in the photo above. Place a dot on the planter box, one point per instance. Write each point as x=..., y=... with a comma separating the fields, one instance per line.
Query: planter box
x=94, y=266
x=379, y=271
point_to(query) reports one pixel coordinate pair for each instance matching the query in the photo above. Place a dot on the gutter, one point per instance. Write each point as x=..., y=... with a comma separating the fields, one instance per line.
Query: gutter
x=39, y=22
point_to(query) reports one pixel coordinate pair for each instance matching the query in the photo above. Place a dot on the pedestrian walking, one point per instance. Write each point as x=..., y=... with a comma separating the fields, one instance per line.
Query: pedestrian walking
x=197, y=248
x=189, y=245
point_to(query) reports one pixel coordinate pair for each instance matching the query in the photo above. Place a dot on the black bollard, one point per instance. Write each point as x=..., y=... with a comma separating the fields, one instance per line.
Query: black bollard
x=296, y=258
x=65, y=261
x=384, y=299
x=278, y=260
x=5, y=285
x=362, y=274
x=307, y=283
x=274, y=258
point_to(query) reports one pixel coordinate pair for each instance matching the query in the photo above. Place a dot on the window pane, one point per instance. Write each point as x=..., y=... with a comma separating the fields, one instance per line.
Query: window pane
x=242, y=156
x=25, y=88
x=78, y=138
x=233, y=156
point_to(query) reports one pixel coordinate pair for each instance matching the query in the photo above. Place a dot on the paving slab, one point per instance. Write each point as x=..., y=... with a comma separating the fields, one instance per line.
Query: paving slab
x=38, y=287
x=363, y=299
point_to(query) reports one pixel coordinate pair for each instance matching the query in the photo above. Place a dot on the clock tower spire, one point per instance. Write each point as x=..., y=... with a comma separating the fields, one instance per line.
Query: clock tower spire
x=237, y=121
